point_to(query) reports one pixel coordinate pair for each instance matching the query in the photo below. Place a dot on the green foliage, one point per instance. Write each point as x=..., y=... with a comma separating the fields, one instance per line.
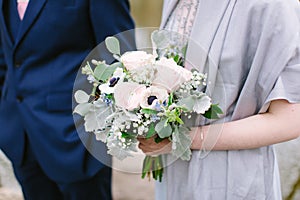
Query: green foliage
x=83, y=106
x=102, y=72
x=174, y=116
x=154, y=166
x=81, y=96
x=176, y=58
x=163, y=128
x=158, y=140
x=113, y=45
x=93, y=119
x=128, y=135
x=161, y=39
x=182, y=141
x=151, y=131
x=170, y=99
x=116, y=65
x=213, y=112
x=197, y=103
x=149, y=111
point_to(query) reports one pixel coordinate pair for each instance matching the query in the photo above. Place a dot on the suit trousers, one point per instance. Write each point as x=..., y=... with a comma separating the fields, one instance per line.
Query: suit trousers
x=36, y=185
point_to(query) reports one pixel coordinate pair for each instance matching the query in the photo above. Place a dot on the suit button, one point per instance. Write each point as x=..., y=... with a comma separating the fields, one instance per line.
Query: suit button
x=18, y=63
x=19, y=99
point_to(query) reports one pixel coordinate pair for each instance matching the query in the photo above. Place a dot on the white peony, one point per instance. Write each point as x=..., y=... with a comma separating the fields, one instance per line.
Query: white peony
x=170, y=75
x=144, y=75
x=128, y=95
x=136, y=59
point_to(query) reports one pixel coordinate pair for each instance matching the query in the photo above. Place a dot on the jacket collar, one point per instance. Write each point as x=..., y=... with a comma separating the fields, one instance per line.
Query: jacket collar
x=33, y=10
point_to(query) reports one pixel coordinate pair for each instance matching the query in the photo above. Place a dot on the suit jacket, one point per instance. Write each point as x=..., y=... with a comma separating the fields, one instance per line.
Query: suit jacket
x=39, y=59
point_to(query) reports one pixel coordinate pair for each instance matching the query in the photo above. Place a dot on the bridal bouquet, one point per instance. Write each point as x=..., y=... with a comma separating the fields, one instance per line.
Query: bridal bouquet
x=142, y=95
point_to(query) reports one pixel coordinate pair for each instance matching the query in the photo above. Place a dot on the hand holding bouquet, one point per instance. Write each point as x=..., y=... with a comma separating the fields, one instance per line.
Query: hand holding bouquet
x=143, y=95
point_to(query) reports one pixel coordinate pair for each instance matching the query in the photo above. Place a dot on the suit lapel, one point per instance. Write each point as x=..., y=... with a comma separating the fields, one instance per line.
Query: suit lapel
x=33, y=9
x=4, y=25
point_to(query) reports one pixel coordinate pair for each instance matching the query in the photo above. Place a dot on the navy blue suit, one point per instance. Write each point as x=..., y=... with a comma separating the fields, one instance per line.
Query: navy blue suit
x=39, y=59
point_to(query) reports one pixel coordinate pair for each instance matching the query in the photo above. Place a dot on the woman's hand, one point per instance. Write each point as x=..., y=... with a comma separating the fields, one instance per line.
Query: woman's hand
x=151, y=148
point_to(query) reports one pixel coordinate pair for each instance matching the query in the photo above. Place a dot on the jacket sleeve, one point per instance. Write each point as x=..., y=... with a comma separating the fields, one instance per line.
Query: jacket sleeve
x=279, y=52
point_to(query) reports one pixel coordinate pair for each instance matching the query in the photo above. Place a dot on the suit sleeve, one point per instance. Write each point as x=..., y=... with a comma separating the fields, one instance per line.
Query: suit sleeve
x=109, y=18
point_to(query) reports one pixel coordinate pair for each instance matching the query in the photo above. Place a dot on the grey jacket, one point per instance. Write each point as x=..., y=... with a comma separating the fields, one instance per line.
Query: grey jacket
x=251, y=51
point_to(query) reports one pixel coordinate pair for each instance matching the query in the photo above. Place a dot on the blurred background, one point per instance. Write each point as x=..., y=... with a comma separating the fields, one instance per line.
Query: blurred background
x=130, y=186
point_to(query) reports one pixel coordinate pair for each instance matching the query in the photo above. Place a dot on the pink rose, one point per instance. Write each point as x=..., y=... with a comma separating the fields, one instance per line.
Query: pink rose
x=169, y=75
x=136, y=59
x=128, y=95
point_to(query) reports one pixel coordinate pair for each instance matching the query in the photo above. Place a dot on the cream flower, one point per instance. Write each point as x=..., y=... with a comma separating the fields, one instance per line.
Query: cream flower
x=128, y=95
x=136, y=59
x=170, y=75
x=154, y=96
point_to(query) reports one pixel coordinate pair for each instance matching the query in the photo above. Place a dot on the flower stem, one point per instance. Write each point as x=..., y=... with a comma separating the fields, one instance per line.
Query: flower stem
x=153, y=165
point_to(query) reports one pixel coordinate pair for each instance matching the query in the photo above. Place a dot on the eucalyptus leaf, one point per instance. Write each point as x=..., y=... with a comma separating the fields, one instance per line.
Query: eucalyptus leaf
x=81, y=96
x=99, y=70
x=187, y=103
x=117, y=57
x=116, y=65
x=160, y=39
x=113, y=45
x=163, y=129
x=103, y=72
